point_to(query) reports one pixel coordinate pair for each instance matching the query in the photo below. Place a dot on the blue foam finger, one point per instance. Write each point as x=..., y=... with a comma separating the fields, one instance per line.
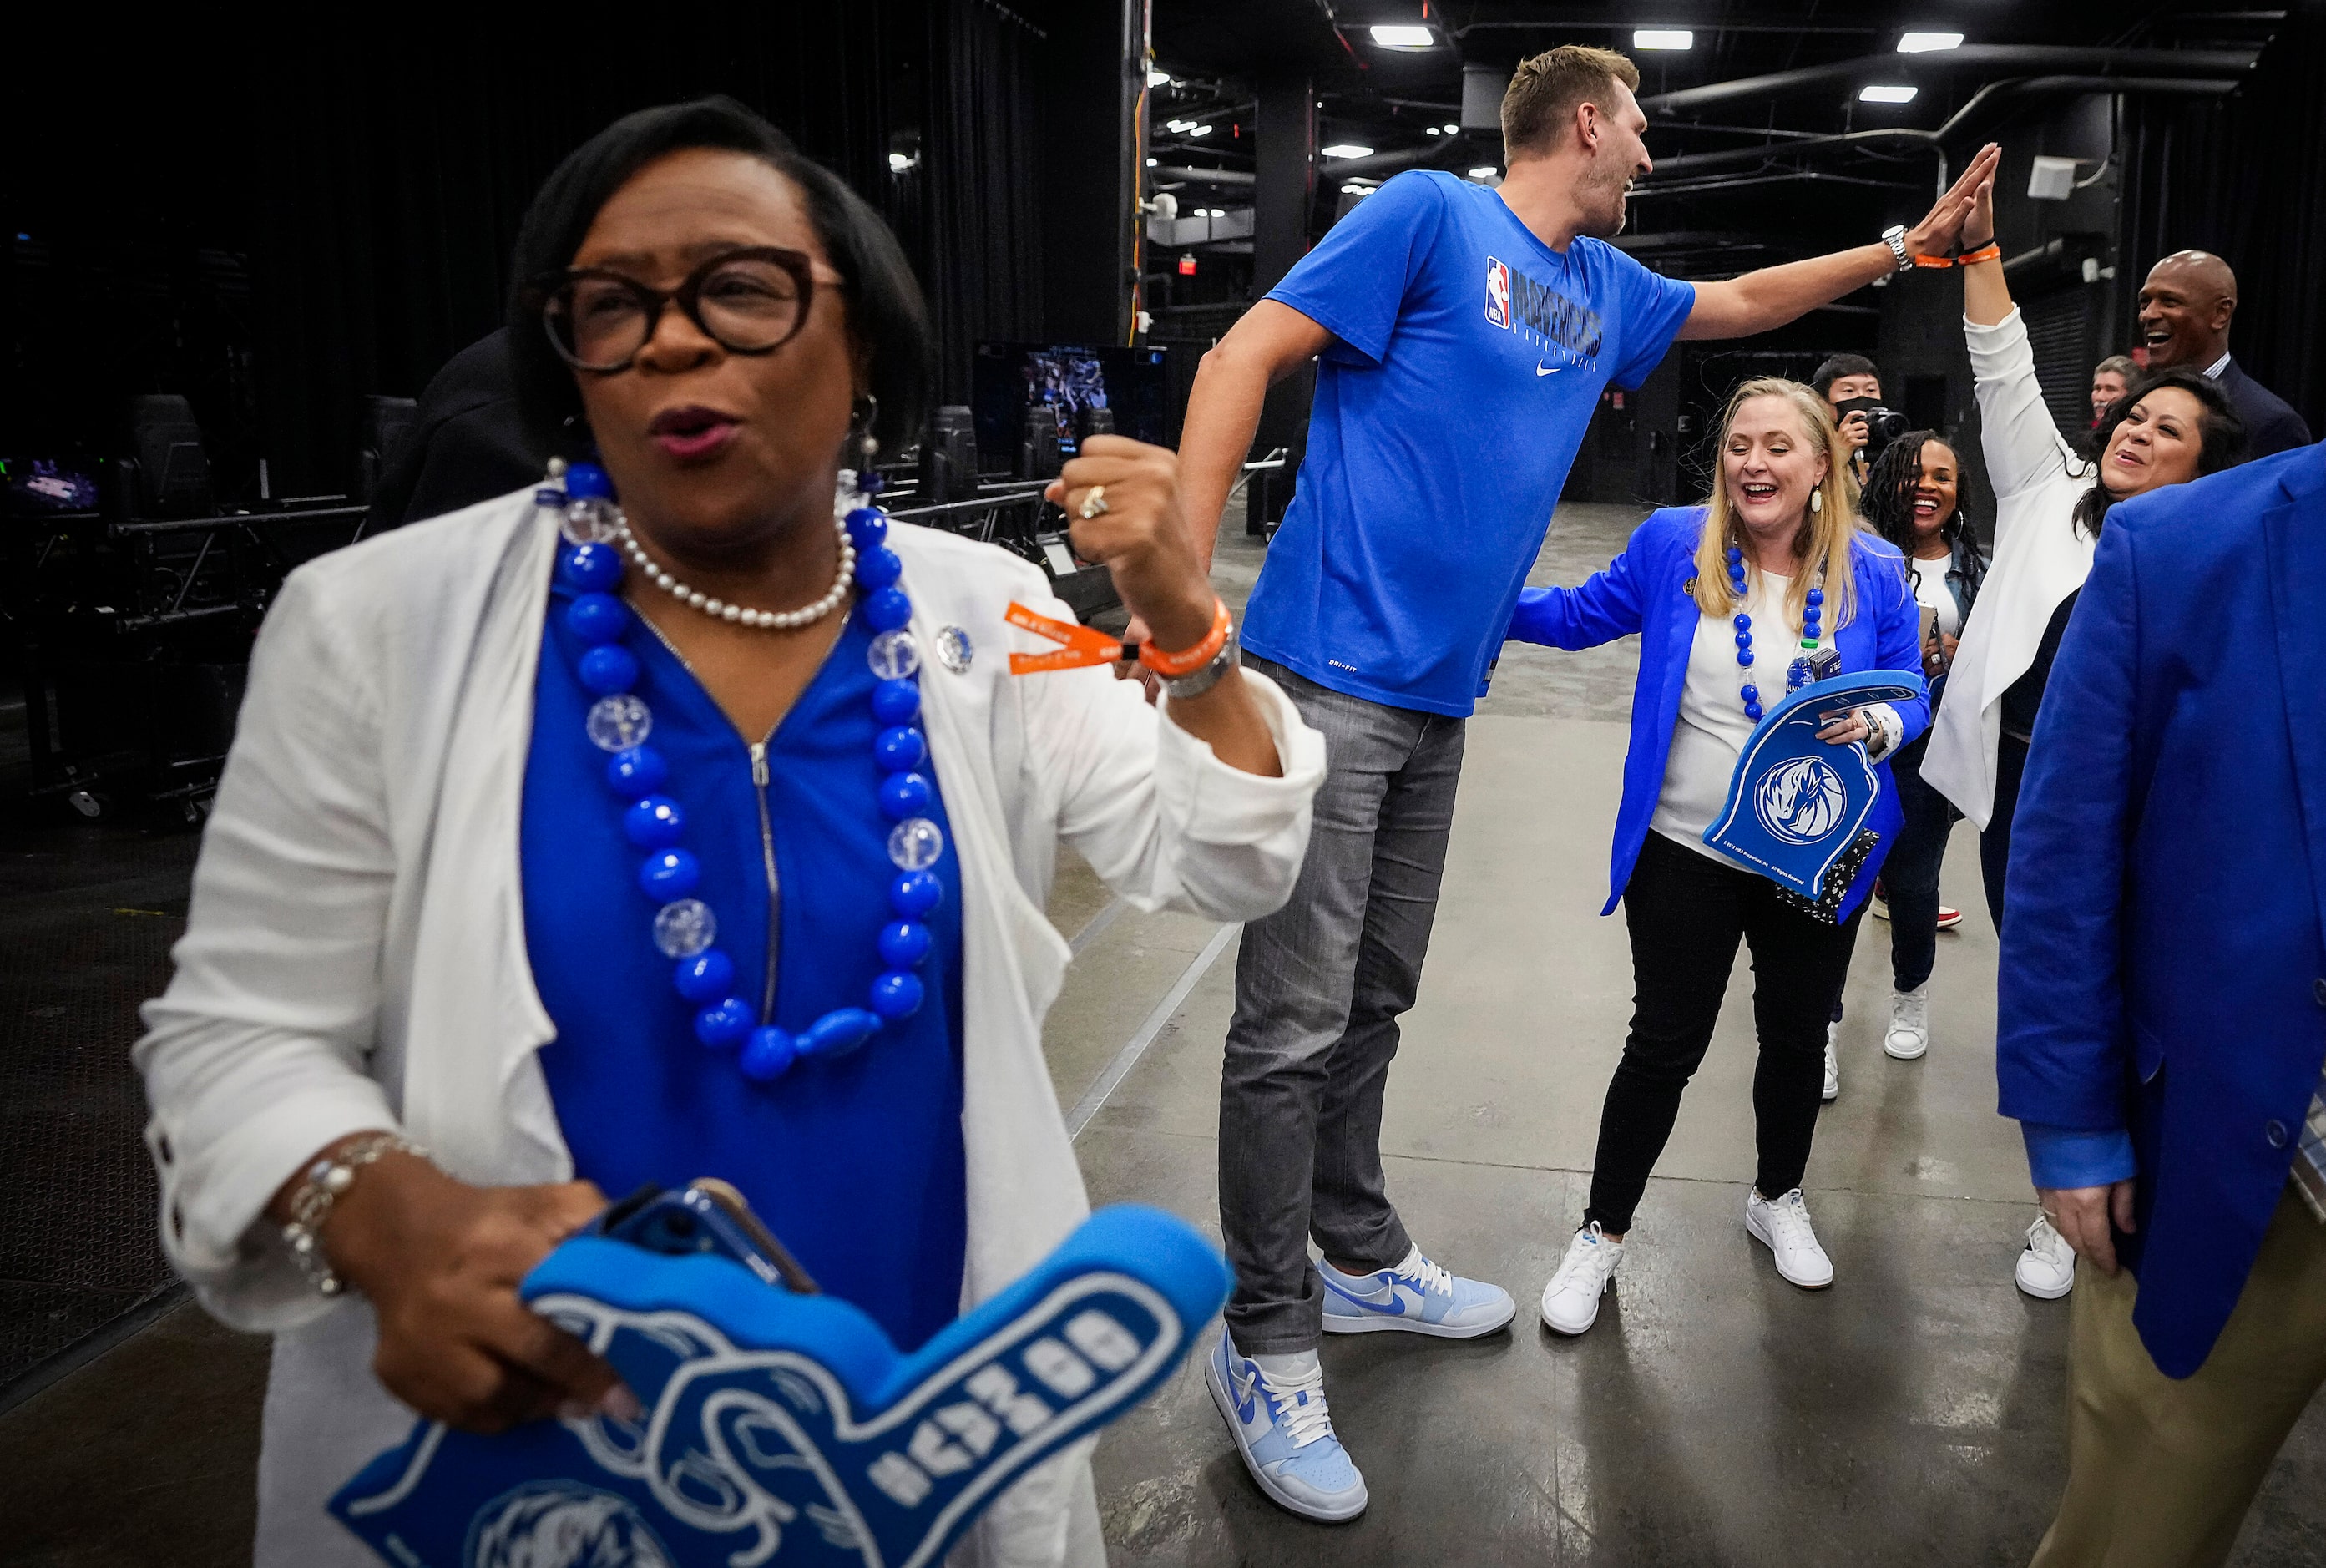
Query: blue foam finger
x=1795, y=804
x=785, y=1429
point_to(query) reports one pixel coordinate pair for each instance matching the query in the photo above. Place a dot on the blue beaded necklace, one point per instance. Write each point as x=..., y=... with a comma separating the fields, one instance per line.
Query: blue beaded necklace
x=1800, y=672
x=684, y=929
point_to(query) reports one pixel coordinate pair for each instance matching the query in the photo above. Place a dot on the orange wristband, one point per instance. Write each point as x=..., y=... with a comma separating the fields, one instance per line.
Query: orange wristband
x=1172, y=666
x=1990, y=251
x=1938, y=261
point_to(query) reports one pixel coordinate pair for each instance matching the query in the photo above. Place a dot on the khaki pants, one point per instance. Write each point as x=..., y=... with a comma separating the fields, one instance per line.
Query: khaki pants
x=2160, y=1473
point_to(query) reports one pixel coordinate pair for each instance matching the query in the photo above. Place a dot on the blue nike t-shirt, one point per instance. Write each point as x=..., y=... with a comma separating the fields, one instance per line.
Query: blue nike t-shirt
x=1467, y=359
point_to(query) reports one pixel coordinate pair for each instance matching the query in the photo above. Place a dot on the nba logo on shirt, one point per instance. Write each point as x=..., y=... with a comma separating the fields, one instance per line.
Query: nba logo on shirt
x=1498, y=292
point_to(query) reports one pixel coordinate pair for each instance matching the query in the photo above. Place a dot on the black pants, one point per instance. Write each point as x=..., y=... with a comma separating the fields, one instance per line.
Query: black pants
x=1686, y=912
x=1994, y=843
x=1911, y=871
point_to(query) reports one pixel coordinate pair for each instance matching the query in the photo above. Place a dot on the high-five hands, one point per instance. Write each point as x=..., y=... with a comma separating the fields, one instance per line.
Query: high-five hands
x=1950, y=222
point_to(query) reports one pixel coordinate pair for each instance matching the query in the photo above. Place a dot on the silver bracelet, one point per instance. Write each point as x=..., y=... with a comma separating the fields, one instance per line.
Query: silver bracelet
x=1196, y=684
x=324, y=1181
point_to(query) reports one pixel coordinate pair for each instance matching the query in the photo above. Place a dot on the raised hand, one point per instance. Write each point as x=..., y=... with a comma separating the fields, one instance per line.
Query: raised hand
x=1136, y=531
x=1944, y=225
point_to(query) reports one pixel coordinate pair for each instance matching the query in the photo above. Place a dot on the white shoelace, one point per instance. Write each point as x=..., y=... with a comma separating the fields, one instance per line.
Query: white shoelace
x=1582, y=1259
x=2044, y=1238
x=1429, y=1276
x=1299, y=1404
x=1790, y=1217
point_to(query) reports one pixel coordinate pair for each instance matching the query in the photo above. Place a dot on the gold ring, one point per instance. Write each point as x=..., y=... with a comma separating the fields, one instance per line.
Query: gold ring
x=1094, y=503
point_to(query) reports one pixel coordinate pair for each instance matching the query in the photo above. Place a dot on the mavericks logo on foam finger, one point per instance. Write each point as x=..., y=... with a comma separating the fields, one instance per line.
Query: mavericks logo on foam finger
x=1800, y=801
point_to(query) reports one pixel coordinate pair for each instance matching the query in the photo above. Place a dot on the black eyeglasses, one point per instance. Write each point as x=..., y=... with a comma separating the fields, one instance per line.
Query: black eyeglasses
x=751, y=301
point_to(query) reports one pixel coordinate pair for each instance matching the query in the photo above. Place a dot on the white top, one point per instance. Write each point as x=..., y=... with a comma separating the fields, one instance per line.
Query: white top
x=1712, y=728
x=2040, y=557
x=355, y=953
x=1932, y=592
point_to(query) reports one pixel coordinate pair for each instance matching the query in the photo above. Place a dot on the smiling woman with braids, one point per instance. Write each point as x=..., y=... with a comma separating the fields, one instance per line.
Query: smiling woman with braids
x=1914, y=498
x=2050, y=504
x=515, y=826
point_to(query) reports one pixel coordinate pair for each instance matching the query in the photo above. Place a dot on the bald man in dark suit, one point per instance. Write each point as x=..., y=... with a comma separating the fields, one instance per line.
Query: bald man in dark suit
x=2185, y=308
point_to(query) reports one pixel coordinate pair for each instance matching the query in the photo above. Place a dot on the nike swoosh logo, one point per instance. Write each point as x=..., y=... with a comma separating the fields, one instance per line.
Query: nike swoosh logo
x=1550, y=371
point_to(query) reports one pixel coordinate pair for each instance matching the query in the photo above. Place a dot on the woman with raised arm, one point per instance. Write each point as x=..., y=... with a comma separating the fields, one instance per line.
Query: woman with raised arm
x=516, y=825
x=1721, y=595
x=2050, y=505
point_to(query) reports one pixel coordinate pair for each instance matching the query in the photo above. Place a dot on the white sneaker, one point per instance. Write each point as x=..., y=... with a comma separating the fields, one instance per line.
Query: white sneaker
x=1783, y=1226
x=1910, y=1024
x=2047, y=1269
x=1832, y=1062
x=1570, y=1302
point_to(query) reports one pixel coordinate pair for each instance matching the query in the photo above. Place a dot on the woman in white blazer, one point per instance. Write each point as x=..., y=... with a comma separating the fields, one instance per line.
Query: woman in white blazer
x=2050, y=504
x=432, y=1001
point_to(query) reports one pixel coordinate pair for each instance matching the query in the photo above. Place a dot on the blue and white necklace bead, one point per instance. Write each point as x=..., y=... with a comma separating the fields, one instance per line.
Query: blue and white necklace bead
x=1799, y=673
x=685, y=929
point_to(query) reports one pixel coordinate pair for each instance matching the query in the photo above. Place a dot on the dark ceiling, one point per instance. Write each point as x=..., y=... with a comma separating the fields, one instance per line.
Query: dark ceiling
x=1740, y=179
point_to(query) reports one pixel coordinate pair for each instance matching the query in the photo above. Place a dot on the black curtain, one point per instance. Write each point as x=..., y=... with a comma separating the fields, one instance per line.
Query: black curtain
x=278, y=218
x=2245, y=177
x=980, y=148
x=397, y=164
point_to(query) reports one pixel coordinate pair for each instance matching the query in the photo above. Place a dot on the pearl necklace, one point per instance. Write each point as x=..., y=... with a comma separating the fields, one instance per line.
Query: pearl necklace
x=592, y=516
x=780, y=619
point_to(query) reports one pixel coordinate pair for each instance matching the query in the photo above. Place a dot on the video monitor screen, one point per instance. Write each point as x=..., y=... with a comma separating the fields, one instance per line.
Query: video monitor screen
x=1008, y=378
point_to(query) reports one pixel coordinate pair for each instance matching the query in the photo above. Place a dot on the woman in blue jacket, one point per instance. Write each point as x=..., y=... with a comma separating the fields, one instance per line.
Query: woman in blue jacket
x=1722, y=596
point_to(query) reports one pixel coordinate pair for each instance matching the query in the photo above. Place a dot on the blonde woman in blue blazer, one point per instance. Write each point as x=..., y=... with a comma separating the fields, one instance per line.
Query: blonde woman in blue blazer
x=1723, y=595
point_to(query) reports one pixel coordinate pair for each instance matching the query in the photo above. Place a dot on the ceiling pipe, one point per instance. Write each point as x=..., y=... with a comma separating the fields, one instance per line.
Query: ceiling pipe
x=1982, y=103
x=1381, y=163
x=1180, y=173
x=1991, y=57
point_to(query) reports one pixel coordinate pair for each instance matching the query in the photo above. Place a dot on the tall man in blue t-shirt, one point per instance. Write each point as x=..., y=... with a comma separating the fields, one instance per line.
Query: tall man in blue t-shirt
x=1463, y=336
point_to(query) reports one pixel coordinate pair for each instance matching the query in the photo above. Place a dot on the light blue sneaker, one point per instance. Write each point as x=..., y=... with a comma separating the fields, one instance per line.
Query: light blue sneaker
x=1416, y=1297
x=1285, y=1432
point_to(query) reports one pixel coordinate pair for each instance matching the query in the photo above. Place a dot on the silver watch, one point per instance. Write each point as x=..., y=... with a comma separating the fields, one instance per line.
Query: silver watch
x=1894, y=236
x=1205, y=678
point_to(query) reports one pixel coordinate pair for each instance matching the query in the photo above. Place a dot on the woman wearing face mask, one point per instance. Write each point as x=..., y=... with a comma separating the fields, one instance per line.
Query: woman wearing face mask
x=515, y=826
x=2050, y=505
x=1914, y=499
x=1722, y=596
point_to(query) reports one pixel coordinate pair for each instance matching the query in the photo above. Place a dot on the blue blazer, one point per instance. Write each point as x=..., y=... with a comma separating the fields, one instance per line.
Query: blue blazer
x=2164, y=969
x=1650, y=588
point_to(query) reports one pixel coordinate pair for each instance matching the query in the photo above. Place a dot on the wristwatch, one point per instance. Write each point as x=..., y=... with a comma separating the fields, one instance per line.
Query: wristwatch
x=1894, y=236
x=1198, y=682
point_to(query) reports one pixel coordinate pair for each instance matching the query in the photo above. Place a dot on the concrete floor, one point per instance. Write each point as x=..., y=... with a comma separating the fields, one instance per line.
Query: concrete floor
x=1715, y=1415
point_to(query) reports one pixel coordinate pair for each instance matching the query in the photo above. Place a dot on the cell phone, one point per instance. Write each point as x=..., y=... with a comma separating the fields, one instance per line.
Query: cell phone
x=1930, y=627
x=707, y=1217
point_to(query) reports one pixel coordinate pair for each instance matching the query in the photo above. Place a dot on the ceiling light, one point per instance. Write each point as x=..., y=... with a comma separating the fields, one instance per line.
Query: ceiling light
x=1163, y=78
x=1347, y=150
x=1357, y=190
x=1400, y=35
x=1482, y=171
x=1150, y=163
x=1664, y=38
x=898, y=163
x=1886, y=95
x=1177, y=125
x=1926, y=43
x=1199, y=130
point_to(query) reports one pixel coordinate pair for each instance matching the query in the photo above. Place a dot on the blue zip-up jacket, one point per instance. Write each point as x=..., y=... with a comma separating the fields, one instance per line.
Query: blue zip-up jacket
x=1650, y=588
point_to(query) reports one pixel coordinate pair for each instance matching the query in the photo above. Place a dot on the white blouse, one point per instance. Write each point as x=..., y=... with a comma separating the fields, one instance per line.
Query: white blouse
x=1932, y=592
x=1712, y=729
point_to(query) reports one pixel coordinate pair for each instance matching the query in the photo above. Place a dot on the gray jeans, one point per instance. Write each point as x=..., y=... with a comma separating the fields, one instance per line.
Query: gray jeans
x=1320, y=986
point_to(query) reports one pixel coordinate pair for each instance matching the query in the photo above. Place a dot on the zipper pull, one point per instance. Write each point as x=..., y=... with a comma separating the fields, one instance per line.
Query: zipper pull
x=759, y=764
